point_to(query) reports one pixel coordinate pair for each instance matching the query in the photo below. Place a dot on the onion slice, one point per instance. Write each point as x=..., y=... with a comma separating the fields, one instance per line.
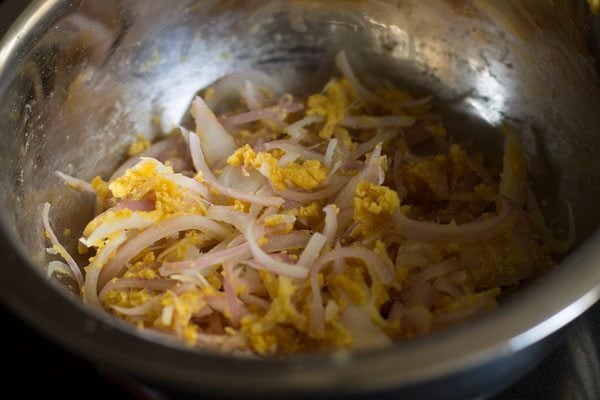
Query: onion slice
x=138, y=310
x=372, y=173
x=58, y=267
x=230, y=216
x=136, y=221
x=331, y=223
x=90, y=292
x=270, y=263
x=232, y=84
x=240, y=253
x=297, y=131
x=291, y=147
x=341, y=60
x=75, y=183
x=216, y=142
x=514, y=171
x=312, y=250
x=157, y=232
x=363, y=148
x=277, y=112
x=472, y=231
x=251, y=97
x=375, y=264
x=59, y=247
x=139, y=283
x=201, y=166
x=170, y=147
x=304, y=197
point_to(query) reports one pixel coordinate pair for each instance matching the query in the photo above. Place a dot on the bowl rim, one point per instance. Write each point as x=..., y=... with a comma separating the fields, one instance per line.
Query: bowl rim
x=549, y=304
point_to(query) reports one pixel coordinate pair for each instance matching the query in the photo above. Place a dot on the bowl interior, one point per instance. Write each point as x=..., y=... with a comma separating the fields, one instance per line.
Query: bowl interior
x=97, y=73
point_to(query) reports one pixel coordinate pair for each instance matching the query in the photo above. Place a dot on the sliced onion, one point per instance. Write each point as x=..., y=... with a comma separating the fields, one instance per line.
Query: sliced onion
x=472, y=231
x=225, y=343
x=419, y=293
x=375, y=155
x=435, y=271
x=330, y=229
x=58, y=267
x=133, y=205
x=400, y=188
x=217, y=302
x=376, y=265
x=217, y=144
x=419, y=319
x=411, y=259
x=239, y=253
x=90, y=290
x=157, y=232
x=277, y=112
x=270, y=263
x=201, y=166
x=189, y=183
x=59, y=247
x=173, y=146
x=388, y=121
x=372, y=173
x=444, y=286
x=297, y=131
x=247, y=278
x=231, y=85
x=381, y=137
x=252, y=97
x=255, y=301
x=312, y=250
x=344, y=66
x=136, y=221
x=140, y=310
x=75, y=183
x=138, y=283
x=179, y=165
x=329, y=152
x=365, y=333
x=291, y=147
x=230, y=216
x=237, y=310
x=242, y=180
x=304, y=197
x=514, y=171
x=289, y=241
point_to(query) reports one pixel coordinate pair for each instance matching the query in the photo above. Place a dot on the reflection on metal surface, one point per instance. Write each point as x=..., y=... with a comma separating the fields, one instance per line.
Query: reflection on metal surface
x=490, y=105
x=572, y=371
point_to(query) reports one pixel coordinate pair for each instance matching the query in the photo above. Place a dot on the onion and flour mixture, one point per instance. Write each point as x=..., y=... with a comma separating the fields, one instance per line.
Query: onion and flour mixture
x=347, y=219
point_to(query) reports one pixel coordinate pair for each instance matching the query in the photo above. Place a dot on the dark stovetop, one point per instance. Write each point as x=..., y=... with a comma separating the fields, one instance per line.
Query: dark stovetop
x=571, y=372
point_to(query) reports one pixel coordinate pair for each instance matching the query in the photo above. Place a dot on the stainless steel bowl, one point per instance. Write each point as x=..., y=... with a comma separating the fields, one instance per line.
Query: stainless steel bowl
x=79, y=78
